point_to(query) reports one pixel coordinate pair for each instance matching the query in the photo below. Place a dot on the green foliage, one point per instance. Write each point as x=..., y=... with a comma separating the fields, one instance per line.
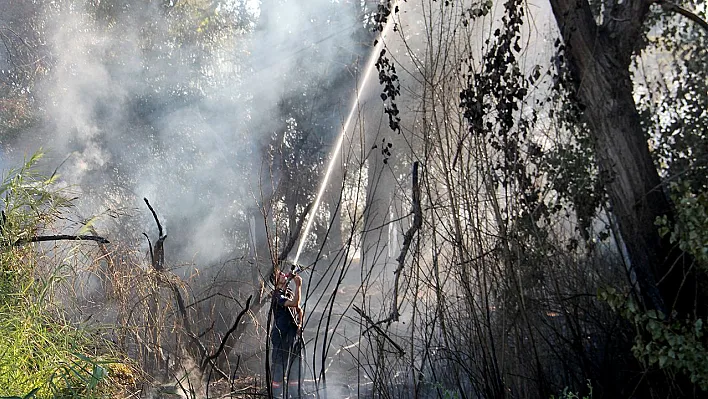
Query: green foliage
x=81, y=378
x=673, y=345
x=31, y=394
x=447, y=394
x=28, y=205
x=570, y=163
x=673, y=103
x=39, y=353
x=491, y=102
x=42, y=354
x=28, y=202
x=568, y=394
x=690, y=232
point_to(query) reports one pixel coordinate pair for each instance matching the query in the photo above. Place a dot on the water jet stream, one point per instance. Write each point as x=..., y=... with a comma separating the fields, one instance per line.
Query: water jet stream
x=338, y=147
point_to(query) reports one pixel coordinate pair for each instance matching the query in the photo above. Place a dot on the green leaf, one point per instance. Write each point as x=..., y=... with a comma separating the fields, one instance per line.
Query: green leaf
x=99, y=373
x=88, y=226
x=698, y=328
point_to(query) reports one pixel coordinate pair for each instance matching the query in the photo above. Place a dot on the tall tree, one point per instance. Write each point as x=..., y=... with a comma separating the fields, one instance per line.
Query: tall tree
x=600, y=47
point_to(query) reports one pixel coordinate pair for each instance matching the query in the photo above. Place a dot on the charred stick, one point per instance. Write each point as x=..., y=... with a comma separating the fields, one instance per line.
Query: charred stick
x=228, y=334
x=152, y=256
x=59, y=237
x=408, y=238
x=375, y=326
x=158, y=258
x=154, y=215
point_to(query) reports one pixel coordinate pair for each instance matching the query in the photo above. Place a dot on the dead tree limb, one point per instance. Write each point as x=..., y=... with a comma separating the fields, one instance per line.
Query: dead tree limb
x=158, y=258
x=158, y=261
x=378, y=329
x=216, y=354
x=673, y=7
x=60, y=237
x=408, y=238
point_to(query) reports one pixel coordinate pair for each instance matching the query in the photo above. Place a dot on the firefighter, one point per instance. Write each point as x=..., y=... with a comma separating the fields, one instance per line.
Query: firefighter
x=285, y=336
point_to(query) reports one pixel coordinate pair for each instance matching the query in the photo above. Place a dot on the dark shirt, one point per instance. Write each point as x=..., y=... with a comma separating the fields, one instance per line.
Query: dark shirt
x=283, y=318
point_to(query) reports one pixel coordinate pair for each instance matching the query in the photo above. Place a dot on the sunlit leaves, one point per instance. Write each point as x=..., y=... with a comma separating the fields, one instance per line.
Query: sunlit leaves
x=672, y=95
x=690, y=230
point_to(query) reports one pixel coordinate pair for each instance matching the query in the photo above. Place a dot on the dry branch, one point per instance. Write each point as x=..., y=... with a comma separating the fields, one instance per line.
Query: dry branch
x=378, y=329
x=283, y=254
x=673, y=7
x=59, y=237
x=408, y=238
x=216, y=354
x=173, y=282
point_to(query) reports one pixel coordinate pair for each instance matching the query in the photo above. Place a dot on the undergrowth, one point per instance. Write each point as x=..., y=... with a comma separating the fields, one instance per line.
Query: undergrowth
x=42, y=354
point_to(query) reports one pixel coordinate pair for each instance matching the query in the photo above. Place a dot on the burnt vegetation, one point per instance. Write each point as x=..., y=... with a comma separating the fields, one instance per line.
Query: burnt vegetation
x=514, y=213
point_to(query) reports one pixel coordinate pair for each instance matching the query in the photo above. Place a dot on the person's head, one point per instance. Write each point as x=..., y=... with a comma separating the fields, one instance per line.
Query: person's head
x=280, y=279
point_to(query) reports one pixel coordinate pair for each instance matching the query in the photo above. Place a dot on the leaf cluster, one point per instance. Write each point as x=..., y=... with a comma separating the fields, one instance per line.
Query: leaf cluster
x=391, y=89
x=667, y=342
x=690, y=231
x=674, y=99
x=492, y=104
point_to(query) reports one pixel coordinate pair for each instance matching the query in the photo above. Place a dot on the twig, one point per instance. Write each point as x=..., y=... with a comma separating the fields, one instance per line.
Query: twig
x=262, y=300
x=378, y=329
x=673, y=7
x=408, y=238
x=294, y=234
x=152, y=255
x=228, y=334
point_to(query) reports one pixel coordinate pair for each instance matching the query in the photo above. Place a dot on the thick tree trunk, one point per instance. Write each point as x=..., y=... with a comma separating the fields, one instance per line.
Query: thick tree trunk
x=599, y=58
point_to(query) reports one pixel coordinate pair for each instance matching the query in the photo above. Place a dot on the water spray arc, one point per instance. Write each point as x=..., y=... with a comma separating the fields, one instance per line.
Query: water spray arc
x=338, y=147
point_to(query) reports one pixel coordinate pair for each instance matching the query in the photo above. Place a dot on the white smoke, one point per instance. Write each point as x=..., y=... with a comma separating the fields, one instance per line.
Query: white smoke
x=137, y=109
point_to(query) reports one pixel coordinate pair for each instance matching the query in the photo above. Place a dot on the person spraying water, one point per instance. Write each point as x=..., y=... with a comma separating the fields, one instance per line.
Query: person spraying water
x=286, y=334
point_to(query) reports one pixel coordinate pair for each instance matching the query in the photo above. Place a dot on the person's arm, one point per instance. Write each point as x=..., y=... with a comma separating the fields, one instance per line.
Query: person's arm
x=295, y=302
x=300, y=318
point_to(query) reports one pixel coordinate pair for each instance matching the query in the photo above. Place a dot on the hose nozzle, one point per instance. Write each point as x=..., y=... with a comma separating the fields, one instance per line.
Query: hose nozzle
x=295, y=269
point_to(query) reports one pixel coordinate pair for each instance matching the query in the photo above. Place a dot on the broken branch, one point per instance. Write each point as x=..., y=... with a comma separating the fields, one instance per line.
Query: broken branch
x=228, y=334
x=408, y=238
x=59, y=237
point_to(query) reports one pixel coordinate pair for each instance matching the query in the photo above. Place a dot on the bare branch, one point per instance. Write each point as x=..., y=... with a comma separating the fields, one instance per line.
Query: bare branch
x=59, y=237
x=158, y=258
x=673, y=7
x=378, y=329
x=408, y=237
x=228, y=334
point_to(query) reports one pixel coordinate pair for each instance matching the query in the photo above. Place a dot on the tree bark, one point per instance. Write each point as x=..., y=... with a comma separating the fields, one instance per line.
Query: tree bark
x=599, y=57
